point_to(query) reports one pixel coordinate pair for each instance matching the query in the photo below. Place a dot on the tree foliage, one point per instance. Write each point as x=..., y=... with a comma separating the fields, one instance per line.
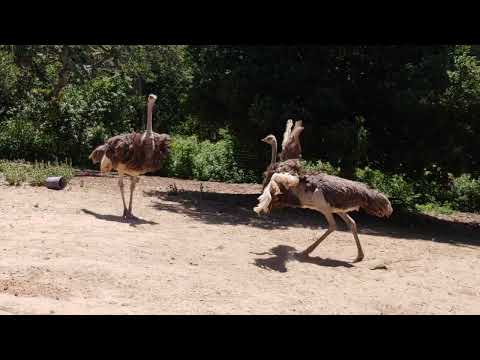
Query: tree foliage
x=398, y=108
x=407, y=110
x=60, y=101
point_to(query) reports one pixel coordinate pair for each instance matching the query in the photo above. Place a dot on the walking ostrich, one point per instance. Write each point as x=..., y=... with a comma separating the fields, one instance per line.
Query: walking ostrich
x=289, y=186
x=133, y=154
x=291, y=148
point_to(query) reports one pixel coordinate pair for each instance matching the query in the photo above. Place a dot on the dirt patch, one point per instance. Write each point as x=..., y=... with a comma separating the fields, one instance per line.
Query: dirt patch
x=198, y=248
x=33, y=282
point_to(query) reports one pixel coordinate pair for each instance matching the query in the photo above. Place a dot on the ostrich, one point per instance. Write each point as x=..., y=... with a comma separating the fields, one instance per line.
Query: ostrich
x=291, y=148
x=133, y=154
x=289, y=186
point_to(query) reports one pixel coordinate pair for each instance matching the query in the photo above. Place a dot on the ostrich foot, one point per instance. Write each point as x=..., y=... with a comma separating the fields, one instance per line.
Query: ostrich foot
x=303, y=254
x=359, y=258
x=127, y=215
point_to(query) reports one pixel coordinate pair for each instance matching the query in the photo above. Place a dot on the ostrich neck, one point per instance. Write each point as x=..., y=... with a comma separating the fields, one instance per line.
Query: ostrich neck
x=274, y=152
x=149, y=118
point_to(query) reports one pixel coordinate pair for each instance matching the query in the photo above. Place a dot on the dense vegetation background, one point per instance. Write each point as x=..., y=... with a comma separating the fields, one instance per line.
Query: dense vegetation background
x=402, y=118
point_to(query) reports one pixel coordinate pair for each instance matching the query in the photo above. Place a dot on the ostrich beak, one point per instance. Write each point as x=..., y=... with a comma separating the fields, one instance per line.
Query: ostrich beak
x=264, y=139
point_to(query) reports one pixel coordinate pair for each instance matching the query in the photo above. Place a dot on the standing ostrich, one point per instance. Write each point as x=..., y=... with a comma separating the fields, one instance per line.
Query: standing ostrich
x=133, y=154
x=291, y=148
x=288, y=186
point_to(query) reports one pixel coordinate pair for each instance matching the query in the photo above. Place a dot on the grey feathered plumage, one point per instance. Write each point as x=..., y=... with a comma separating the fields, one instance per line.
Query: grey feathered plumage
x=340, y=193
x=128, y=149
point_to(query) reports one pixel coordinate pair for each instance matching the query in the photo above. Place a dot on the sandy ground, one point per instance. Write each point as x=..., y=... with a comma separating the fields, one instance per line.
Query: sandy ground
x=202, y=250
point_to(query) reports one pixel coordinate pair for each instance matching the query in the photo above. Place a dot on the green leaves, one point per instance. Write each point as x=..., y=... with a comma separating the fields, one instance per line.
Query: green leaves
x=68, y=98
x=9, y=74
x=322, y=166
x=206, y=160
x=466, y=193
x=412, y=99
x=400, y=191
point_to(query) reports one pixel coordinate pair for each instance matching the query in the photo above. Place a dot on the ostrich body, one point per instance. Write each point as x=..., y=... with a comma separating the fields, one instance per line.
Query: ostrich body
x=133, y=155
x=289, y=186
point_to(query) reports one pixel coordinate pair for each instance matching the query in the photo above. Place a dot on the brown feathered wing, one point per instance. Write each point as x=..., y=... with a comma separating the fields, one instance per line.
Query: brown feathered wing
x=137, y=155
x=292, y=149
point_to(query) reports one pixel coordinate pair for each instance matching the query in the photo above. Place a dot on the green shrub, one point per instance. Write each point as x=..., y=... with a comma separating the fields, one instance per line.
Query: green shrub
x=9, y=74
x=180, y=161
x=19, y=136
x=466, y=193
x=399, y=191
x=319, y=165
x=206, y=160
x=427, y=194
x=87, y=114
x=435, y=208
x=216, y=161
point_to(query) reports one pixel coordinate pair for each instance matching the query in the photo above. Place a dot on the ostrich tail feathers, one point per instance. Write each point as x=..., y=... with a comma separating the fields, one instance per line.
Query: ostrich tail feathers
x=97, y=154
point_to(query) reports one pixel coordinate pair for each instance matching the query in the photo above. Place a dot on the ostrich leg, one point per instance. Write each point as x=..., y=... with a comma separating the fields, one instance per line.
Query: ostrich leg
x=133, y=181
x=332, y=226
x=353, y=228
x=120, y=184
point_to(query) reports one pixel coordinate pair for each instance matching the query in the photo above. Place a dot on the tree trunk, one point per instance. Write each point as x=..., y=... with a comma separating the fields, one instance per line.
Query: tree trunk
x=63, y=75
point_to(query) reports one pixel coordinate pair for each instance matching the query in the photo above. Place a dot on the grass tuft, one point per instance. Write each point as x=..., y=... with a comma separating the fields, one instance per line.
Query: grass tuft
x=19, y=172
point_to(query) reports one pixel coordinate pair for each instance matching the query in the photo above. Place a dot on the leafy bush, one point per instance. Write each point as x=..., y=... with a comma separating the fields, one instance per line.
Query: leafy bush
x=62, y=101
x=216, y=161
x=459, y=193
x=180, y=162
x=319, y=165
x=9, y=74
x=399, y=191
x=426, y=195
x=435, y=208
x=466, y=193
x=206, y=160
x=23, y=137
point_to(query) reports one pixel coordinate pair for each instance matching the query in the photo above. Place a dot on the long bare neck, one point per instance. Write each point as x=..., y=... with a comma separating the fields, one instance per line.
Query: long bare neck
x=274, y=152
x=149, y=118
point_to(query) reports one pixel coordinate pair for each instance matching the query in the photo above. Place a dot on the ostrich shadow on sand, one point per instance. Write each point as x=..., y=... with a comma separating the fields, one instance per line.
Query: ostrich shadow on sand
x=132, y=222
x=283, y=254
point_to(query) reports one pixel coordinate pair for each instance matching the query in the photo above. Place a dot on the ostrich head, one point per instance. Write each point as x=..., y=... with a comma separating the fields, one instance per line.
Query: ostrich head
x=152, y=98
x=270, y=139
